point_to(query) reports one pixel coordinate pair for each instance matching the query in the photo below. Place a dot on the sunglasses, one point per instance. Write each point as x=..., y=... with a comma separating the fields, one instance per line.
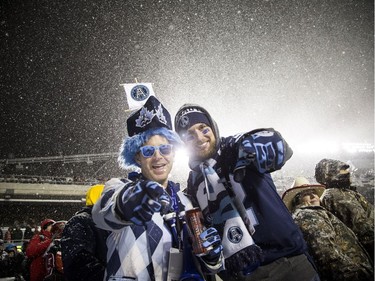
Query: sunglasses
x=149, y=150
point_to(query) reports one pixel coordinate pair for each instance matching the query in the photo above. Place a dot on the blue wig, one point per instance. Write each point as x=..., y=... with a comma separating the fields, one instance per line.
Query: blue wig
x=131, y=145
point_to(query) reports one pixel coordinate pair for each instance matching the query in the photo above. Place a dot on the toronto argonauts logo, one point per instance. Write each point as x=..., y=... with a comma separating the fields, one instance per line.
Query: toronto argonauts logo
x=140, y=92
x=235, y=234
x=184, y=121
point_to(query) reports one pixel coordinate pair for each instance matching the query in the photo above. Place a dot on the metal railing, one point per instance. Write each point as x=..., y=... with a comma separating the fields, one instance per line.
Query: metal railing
x=88, y=158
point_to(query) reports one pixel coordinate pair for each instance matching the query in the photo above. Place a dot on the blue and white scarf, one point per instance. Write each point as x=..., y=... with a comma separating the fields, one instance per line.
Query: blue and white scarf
x=240, y=251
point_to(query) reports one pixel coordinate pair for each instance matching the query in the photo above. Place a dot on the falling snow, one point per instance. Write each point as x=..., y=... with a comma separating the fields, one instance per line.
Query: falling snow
x=302, y=67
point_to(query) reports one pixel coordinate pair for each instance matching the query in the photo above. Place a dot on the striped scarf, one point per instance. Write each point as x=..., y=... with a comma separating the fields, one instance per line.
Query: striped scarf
x=240, y=251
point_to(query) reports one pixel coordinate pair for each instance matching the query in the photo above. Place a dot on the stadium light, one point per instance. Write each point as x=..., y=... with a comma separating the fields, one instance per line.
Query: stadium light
x=316, y=147
x=358, y=147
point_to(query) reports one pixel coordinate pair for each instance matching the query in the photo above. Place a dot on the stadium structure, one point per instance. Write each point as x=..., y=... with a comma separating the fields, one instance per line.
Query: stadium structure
x=54, y=187
x=32, y=189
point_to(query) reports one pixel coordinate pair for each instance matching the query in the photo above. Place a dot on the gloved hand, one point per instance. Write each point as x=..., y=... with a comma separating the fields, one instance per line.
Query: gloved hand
x=265, y=149
x=246, y=156
x=142, y=201
x=211, y=242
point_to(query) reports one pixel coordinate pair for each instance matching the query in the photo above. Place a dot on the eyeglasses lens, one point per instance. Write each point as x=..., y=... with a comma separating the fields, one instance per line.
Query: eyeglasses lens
x=149, y=150
x=165, y=149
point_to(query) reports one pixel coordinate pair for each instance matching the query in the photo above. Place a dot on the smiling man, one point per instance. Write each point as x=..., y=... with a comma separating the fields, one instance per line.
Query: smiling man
x=136, y=212
x=231, y=182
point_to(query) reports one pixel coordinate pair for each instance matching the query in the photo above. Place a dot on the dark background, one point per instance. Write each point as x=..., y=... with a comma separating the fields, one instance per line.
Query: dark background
x=303, y=67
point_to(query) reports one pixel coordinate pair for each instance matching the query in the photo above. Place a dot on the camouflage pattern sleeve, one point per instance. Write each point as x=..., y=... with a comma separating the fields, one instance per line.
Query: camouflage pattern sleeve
x=354, y=210
x=333, y=246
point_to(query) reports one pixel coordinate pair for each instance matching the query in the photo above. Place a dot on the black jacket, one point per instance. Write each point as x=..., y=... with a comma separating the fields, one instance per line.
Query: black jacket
x=84, y=248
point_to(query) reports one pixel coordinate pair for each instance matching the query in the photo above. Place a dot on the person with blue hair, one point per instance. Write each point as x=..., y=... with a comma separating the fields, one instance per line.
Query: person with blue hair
x=132, y=145
x=144, y=213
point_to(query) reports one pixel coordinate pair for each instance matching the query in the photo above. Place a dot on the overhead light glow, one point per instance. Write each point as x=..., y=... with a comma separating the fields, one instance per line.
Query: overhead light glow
x=330, y=147
x=358, y=147
x=317, y=147
x=180, y=166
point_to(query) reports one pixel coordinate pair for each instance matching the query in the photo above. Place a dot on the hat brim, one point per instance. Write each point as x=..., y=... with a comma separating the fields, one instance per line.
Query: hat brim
x=289, y=195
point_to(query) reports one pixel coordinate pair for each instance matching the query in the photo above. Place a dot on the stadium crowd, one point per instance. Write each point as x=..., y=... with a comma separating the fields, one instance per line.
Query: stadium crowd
x=17, y=229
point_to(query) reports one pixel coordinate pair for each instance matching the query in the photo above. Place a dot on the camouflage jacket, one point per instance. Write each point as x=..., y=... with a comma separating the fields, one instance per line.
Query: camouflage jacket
x=354, y=210
x=335, y=248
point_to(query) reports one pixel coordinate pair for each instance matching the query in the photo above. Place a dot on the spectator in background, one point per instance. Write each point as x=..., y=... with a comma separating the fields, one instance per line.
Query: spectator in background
x=342, y=199
x=83, y=245
x=4, y=261
x=28, y=232
x=335, y=248
x=17, y=234
x=1, y=233
x=15, y=262
x=26, y=262
x=53, y=258
x=2, y=253
x=8, y=235
x=36, y=249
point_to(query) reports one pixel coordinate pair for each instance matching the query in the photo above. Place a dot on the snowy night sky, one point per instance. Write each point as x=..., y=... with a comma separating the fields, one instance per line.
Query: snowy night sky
x=303, y=67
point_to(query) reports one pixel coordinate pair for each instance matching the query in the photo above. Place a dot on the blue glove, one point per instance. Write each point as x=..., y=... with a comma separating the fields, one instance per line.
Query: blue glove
x=139, y=204
x=211, y=242
x=265, y=149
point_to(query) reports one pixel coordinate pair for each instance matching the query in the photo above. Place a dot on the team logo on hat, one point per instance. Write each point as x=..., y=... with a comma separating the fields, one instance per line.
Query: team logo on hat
x=184, y=121
x=140, y=92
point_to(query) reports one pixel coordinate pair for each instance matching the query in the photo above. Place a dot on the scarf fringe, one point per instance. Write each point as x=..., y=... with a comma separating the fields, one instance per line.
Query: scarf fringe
x=248, y=257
